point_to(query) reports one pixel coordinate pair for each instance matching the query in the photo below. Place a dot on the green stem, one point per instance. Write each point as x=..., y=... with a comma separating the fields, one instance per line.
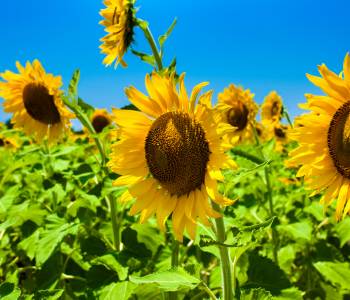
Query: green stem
x=174, y=264
x=269, y=195
x=148, y=34
x=286, y=114
x=86, y=122
x=208, y=291
x=225, y=263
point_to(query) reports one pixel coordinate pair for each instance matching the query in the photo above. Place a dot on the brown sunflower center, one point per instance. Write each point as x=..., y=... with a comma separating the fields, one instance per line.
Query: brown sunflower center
x=279, y=132
x=275, y=109
x=2, y=142
x=99, y=123
x=339, y=139
x=177, y=152
x=39, y=104
x=237, y=116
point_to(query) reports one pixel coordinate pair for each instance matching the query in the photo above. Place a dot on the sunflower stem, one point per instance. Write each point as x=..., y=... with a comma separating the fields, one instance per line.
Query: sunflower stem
x=225, y=263
x=83, y=118
x=174, y=264
x=269, y=195
x=148, y=35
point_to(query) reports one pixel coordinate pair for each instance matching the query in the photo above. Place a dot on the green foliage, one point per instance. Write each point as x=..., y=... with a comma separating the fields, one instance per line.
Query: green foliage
x=57, y=240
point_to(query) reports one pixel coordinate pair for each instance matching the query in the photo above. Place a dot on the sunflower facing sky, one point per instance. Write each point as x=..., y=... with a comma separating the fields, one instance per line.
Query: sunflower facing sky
x=170, y=154
x=272, y=108
x=324, y=139
x=119, y=22
x=34, y=98
x=238, y=109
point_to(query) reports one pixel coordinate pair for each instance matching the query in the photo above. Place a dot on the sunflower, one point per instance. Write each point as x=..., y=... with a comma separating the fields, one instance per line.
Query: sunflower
x=280, y=133
x=100, y=119
x=8, y=142
x=324, y=139
x=119, y=22
x=170, y=154
x=262, y=131
x=272, y=108
x=237, y=108
x=34, y=98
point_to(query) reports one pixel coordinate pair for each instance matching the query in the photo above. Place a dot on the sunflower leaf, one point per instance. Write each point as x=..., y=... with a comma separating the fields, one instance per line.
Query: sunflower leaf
x=171, y=280
x=165, y=36
x=145, y=57
x=73, y=86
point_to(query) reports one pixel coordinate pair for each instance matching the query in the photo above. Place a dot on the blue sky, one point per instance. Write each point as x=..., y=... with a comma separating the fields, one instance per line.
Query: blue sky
x=261, y=45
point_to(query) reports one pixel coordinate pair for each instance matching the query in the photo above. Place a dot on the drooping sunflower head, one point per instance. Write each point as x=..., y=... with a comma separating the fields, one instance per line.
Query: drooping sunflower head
x=119, y=21
x=170, y=154
x=324, y=139
x=272, y=108
x=237, y=108
x=34, y=98
x=100, y=119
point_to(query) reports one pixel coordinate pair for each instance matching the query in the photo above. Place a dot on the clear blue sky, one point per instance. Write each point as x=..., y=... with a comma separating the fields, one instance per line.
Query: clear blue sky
x=262, y=45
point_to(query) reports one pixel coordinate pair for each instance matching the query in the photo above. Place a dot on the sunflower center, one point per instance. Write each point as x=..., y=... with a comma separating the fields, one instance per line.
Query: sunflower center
x=2, y=142
x=237, y=116
x=279, y=132
x=339, y=139
x=39, y=104
x=177, y=153
x=275, y=109
x=99, y=123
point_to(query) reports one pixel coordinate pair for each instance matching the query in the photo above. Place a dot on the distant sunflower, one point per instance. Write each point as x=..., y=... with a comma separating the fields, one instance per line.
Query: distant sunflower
x=34, y=98
x=8, y=142
x=170, y=154
x=262, y=131
x=324, y=139
x=280, y=133
x=238, y=109
x=119, y=22
x=272, y=108
x=100, y=119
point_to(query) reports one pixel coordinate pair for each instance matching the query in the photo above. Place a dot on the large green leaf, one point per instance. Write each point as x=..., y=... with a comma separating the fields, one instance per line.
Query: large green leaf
x=343, y=230
x=337, y=273
x=8, y=291
x=111, y=262
x=120, y=290
x=171, y=280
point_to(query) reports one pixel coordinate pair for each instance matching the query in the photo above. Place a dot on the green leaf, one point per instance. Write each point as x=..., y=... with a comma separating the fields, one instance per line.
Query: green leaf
x=52, y=237
x=29, y=245
x=145, y=57
x=8, y=291
x=149, y=236
x=337, y=273
x=168, y=281
x=111, y=262
x=263, y=272
x=165, y=36
x=7, y=200
x=299, y=230
x=255, y=294
x=87, y=108
x=120, y=290
x=343, y=230
x=73, y=86
x=48, y=294
x=289, y=294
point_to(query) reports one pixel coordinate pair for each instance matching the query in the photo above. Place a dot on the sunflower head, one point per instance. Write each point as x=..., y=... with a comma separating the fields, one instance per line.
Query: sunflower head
x=170, y=154
x=119, y=22
x=100, y=119
x=323, y=135
x=34, y=98
x=280, y=133
x=238, y=109
x=272, y=108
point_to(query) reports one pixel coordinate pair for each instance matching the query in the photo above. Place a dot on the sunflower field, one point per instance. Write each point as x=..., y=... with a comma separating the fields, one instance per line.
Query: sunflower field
x=177, y=195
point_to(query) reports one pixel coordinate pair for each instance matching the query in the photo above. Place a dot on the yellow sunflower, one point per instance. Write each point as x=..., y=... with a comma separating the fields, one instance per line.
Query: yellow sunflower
x=100, y=119
x=170, y=154
x=324, y=139
x=238, y=109
x=34, y=98
x=119, y=22
x=262, y=131
x=280, y=133
x=272, y=108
